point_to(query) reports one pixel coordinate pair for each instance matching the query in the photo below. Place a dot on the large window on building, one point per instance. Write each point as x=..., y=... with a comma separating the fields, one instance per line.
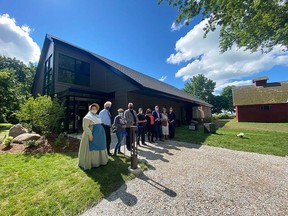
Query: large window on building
x=48, y=79
x=73, y=71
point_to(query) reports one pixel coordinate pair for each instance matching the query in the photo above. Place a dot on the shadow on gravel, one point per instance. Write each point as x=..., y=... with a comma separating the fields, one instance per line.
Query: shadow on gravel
x=127, y=198
x=157, y=185
x=149, y=155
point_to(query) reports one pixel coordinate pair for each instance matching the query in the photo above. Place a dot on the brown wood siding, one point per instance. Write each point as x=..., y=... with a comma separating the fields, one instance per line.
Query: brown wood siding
x=254, y=113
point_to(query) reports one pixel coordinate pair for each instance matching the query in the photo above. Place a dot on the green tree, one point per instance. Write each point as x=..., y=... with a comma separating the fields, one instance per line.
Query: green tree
x=201, y=87
x=219, y=104
x=227, y=93
x=252, y=24
x=16, y=81
x=43, y=113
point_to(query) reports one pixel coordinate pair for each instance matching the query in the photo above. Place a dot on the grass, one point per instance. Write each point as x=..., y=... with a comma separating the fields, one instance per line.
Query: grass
x=4, y=130
x=53, y=184
x=263, y=138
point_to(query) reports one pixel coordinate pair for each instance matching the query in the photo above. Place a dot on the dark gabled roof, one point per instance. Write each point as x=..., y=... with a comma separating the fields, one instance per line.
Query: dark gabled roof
x=140, y=79
x=271, y=93
x=263, y=78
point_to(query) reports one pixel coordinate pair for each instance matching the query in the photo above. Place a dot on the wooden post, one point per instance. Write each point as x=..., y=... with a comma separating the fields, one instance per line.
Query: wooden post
x=133, y=140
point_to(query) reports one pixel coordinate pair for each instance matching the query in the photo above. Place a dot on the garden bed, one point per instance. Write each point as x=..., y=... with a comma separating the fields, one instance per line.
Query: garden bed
x=49, y=145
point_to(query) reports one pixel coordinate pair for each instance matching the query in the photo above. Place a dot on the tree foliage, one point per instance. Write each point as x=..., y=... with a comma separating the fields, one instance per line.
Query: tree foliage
x=219, y=103
x=43, y=114
x=201, y=87
x=252, y=24
x=227, y=93
x=15, y=86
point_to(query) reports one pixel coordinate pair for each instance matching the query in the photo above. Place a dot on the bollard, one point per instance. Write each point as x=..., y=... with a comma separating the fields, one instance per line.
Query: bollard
x=133, y=140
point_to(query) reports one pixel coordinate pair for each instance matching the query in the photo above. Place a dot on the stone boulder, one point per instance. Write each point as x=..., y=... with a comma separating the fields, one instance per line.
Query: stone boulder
x=17, y=130
x=25, y=137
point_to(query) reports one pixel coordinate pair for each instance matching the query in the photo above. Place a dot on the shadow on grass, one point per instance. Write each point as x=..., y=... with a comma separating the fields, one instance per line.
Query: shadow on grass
x=111, y=177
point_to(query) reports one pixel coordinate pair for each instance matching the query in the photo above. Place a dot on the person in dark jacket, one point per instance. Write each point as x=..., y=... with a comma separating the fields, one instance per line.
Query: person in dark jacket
x=141, y=127
x=157, y=123
x=120, y=125
x=172, y=123
x=150, y=125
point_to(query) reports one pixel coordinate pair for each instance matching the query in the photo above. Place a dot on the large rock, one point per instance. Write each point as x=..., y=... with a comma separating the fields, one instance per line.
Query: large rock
x=17, y=130
x=25, y=137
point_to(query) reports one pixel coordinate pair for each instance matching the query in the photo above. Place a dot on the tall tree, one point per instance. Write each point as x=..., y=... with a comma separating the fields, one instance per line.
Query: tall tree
x=219, y=103
x=227, y=93
x=16, y=80
x=252, y=24
x=201, y=87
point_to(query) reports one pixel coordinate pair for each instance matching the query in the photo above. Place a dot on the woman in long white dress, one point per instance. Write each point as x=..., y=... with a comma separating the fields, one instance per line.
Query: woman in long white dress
x=92, y=150
x=165, y=124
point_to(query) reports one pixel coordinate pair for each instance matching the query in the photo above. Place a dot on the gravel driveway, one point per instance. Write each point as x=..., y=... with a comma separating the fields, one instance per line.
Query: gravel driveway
x=186, y=179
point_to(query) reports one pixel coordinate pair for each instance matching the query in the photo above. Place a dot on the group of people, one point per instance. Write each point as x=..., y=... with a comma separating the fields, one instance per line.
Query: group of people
x=96, y=138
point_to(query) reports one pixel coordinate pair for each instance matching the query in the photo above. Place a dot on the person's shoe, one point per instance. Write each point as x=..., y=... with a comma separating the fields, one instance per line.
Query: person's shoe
x=144, y=144
x=161, y=140
x=120, y=153
x=109, y=153
x=115, y=154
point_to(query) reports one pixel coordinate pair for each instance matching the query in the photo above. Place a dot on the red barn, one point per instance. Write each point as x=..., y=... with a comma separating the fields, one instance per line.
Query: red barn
x=261, y=102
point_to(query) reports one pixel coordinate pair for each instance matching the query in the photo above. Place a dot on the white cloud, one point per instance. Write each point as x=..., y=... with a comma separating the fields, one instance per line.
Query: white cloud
x=203, y=57
x=15, y=41
x=177, y=27
x=163, y=78
x=235, y=83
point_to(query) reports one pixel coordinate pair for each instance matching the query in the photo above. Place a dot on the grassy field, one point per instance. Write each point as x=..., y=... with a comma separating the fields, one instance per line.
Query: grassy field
x=263, y=138
x=53, y=184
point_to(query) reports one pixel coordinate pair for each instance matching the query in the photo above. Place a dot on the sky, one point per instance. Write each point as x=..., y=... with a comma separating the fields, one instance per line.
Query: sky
x=139, y=34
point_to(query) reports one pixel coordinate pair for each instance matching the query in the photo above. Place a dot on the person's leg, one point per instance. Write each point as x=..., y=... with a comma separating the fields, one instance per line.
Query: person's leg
x=153, y=135
x=138, y=136
x=119, y=139
x=143, y=136
x=108, y=136
x=128, y=143
x=157, y=131
x=107, y=133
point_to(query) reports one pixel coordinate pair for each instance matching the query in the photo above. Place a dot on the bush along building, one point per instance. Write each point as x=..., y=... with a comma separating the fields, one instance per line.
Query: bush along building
x=81, y=77
x=261, y=102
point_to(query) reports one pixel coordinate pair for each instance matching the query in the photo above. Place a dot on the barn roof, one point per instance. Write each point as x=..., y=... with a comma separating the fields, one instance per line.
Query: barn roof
x=271, y=93
x=140, y=79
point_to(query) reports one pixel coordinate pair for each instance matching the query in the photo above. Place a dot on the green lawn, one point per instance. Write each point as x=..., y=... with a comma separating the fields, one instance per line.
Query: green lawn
x=263, y=138
x=53, y=184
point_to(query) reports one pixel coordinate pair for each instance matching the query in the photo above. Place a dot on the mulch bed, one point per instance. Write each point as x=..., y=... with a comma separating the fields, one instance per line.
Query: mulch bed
x=48, y=145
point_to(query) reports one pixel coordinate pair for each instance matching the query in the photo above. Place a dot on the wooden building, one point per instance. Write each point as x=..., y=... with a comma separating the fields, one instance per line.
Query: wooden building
x=261, y=102
x=82, y=77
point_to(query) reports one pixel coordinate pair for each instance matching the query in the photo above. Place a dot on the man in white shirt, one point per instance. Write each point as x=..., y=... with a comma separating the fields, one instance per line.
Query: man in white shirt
x=106, y=119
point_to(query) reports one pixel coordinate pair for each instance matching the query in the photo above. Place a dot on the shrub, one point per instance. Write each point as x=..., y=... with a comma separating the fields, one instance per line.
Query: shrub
x=7, y=141
x=223, y=116
x=207, y=119
x=60, y=139
x=31, y=143
x=43, y=113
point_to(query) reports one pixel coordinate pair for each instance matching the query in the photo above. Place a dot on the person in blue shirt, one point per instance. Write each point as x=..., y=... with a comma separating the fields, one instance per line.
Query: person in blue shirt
x=106, y=117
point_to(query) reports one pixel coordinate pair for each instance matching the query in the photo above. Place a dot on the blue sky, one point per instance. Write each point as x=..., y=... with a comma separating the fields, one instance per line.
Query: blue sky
x=139, y=34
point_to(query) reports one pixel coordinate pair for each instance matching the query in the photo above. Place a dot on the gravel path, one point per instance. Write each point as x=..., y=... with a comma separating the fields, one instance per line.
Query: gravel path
x=186, y=179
